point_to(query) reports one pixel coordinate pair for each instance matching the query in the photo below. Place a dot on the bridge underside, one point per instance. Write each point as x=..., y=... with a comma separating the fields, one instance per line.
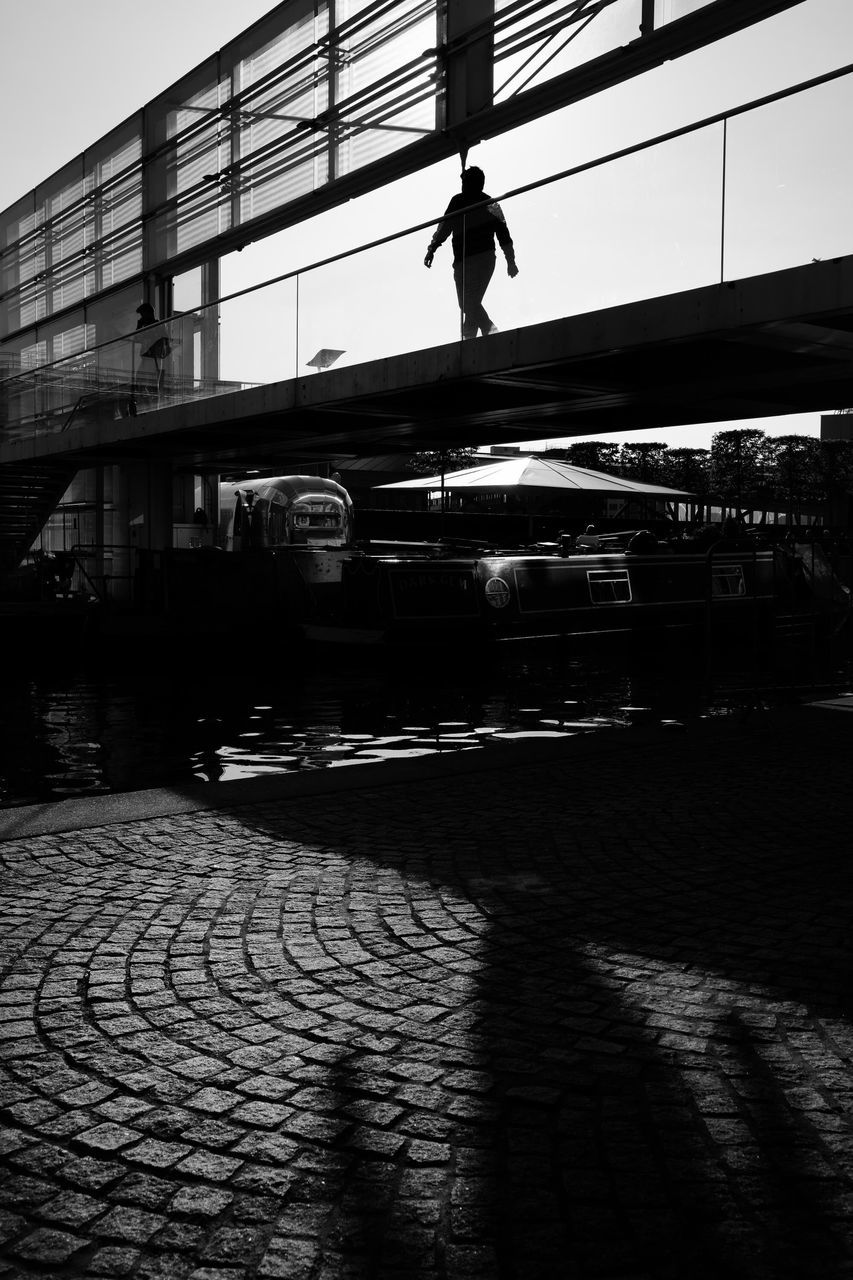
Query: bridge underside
x=767, y=345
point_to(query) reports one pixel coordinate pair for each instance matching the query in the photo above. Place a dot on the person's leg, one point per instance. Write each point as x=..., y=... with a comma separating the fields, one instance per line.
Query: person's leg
x=461, y=280
x=478, y=272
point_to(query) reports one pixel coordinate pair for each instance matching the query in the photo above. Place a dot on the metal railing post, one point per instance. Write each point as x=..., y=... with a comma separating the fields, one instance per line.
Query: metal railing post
x=723, y=203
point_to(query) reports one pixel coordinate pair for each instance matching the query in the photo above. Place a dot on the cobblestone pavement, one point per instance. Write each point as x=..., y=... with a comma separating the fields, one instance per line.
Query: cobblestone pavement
x=588, y=1017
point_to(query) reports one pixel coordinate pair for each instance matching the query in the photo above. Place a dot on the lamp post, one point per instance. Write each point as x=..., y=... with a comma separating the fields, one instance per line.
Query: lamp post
x=325, y=358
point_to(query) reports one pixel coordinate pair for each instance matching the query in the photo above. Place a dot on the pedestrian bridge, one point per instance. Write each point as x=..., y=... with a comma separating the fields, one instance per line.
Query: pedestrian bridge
x=646, y=298
x=776, y=343
x=710, y=297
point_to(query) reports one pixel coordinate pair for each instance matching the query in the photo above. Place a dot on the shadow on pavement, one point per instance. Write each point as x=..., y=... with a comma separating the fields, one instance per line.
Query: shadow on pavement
x=636, y=986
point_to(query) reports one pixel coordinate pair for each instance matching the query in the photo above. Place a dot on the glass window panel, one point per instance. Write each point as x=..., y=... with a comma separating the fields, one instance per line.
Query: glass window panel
x=61, y=242
x=671, y=10
x=186, y=290
x=384, y=88
x=537, y=42
x=285, y=183
x=33, y=355
x=70, y=342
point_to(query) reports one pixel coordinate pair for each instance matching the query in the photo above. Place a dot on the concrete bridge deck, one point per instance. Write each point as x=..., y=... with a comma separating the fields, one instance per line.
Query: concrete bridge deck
x=771, y=344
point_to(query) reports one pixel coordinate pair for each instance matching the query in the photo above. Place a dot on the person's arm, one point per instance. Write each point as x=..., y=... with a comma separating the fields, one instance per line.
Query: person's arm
x=442, y=232
x=504, y=238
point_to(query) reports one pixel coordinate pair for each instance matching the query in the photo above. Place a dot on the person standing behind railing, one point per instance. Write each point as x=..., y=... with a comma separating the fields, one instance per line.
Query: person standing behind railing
x=155, y=346
x=474, y=235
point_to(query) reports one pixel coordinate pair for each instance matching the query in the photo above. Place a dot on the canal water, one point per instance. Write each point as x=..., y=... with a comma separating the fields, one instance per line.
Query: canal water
x=128, y=724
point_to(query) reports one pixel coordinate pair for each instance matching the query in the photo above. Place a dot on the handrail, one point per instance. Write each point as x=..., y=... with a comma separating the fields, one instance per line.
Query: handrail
x=574, y=170
x=91, y=551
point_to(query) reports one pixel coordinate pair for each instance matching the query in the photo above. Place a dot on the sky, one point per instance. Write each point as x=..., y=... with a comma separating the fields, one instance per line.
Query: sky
x=638, y=229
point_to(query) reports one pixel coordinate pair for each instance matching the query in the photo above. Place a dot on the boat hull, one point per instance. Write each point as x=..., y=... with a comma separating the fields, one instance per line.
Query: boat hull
x=496, y=597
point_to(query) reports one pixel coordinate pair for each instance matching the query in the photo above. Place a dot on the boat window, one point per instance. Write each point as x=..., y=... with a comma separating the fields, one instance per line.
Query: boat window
x=609, y=586
x=727, y=580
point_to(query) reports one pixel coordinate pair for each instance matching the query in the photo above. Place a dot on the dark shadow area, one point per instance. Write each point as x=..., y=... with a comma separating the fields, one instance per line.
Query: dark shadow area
x=125, y=722
x=639, y=1059
x=122, y=721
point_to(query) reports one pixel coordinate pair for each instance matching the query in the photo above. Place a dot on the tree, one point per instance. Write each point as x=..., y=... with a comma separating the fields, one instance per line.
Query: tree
x=594, y=455
x=435, y=461
x=794, y=477
x=739, y=466
x=689, y=469
x=834, y=479
x=644, y=461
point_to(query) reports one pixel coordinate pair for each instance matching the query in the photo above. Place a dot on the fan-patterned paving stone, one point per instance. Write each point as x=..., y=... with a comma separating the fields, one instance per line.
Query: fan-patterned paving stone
x=568, y=1019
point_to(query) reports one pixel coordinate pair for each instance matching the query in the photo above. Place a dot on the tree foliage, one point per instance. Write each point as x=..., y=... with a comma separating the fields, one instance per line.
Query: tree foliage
x=794, y=477
x=432, y=463
x=594, y=455
x=688, y=469
x=740, y=465
x=644, y=461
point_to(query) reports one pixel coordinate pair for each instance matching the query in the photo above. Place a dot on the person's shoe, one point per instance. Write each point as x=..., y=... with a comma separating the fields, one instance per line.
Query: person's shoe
x=493, y=328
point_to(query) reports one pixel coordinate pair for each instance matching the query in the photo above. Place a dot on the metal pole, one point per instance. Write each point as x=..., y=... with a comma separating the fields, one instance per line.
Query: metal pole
x=443, y=499
x=296, y=334
x=723, y=204
x=462, y=295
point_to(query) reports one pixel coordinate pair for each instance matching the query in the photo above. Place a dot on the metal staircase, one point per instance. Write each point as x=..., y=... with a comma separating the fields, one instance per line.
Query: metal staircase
x=29, y=493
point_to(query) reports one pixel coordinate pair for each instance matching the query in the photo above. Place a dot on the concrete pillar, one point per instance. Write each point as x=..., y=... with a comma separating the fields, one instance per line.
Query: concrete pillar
x=839, y=507
x=143, y=497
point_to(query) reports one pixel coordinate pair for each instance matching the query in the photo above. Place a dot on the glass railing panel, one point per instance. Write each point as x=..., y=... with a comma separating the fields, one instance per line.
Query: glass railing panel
x=381, y=302
x=18, y=419
x=645, y=225
x=60, y=387
x=788, y=193
x=639, y=227
x=257, y=337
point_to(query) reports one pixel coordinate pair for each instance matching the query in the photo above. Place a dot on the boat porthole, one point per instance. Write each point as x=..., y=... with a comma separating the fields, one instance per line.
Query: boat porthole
x=497, y=593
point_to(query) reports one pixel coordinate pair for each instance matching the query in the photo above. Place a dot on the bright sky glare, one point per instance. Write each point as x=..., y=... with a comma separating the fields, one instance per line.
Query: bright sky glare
x=70, y=79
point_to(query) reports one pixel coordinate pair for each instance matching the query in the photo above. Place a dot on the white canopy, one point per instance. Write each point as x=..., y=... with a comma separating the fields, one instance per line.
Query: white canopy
x=538, y=473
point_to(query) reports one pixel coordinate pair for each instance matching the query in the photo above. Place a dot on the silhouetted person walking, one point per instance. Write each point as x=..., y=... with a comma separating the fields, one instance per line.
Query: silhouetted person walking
x=474, y=249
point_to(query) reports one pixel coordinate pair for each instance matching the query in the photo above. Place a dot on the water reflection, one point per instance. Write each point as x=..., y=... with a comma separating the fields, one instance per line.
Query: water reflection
x=84, y=730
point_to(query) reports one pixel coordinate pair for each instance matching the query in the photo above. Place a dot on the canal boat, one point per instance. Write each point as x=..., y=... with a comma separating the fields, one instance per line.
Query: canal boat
x=336, y=590
x=423, y=598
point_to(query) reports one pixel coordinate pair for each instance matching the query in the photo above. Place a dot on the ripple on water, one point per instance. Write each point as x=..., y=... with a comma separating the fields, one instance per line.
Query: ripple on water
x=90, y=731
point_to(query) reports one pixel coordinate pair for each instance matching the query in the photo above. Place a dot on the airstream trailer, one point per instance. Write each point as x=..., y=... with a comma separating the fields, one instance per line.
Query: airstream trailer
x=305, y=523
x=284, y=511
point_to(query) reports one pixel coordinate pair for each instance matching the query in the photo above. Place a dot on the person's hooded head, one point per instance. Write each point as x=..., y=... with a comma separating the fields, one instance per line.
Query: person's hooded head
x=145, y=311
x=473, y=181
